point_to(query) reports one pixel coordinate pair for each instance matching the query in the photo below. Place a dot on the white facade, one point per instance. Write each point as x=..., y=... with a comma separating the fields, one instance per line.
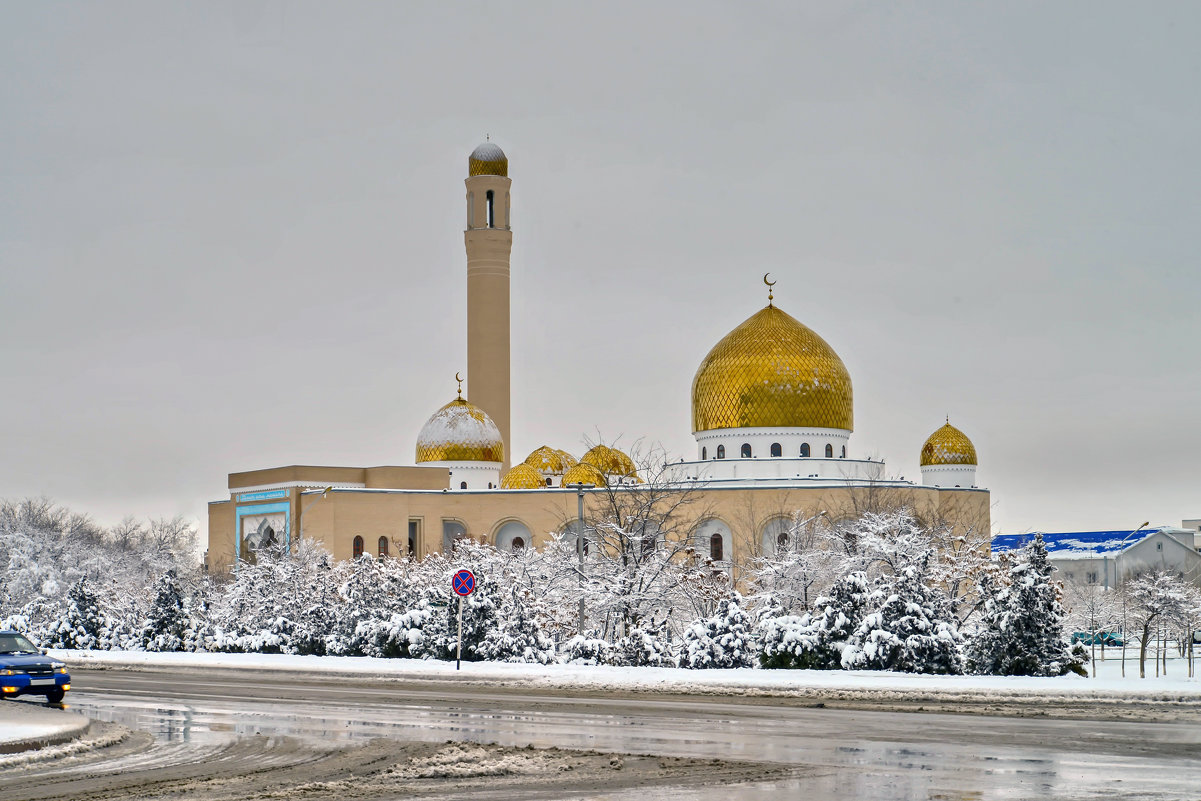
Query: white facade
x=949, y=475
x=796, y=443
x=470, y=475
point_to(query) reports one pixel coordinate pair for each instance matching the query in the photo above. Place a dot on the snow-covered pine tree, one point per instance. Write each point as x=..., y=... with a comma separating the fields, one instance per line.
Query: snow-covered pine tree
x=1020, y=632
x=645, y=645
x=82, y=623
x=722, y=641
x=911, y=628
x=167, y=622
x=817, y=639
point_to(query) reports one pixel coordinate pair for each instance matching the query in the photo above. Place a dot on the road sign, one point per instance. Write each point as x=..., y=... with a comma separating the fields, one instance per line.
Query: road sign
x=463, y=582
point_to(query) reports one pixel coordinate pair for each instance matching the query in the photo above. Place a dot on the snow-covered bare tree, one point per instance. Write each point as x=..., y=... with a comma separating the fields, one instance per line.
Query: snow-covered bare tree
x=1151, y=597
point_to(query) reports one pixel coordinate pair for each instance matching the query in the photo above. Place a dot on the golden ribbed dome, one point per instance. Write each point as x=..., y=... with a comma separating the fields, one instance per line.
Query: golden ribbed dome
x=772, y=371
x=522, y=477
x=550, y=460
x=488, y=159
x=460, y=432
x=610, y=461
x=584, y=473
x=948, y=445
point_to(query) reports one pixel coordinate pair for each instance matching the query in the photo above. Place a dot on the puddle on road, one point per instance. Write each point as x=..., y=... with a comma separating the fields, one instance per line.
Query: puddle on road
x=843, y=770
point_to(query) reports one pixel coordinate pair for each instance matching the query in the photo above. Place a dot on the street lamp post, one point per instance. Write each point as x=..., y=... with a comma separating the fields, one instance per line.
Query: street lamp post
x=1125, y=637
x=579, y=543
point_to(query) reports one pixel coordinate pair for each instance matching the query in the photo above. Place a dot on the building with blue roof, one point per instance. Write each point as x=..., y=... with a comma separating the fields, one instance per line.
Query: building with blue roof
x=1108, y=558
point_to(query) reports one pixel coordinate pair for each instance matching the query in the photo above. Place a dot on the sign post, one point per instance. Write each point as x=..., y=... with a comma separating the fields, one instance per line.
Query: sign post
x=463, y=584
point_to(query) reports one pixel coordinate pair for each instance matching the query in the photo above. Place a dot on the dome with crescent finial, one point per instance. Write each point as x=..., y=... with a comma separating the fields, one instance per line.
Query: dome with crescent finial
x=551, y=461
x=772, y=371
x=460, y=432
x=522, y=477
x=948, y=445
x=488, y=159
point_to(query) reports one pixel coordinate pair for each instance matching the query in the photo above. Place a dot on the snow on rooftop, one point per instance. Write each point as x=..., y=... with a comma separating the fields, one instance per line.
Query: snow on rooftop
x=1072, y=543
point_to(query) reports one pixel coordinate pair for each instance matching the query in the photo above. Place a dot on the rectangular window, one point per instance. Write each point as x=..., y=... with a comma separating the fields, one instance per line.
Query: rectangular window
x=414, y=536
x=1092, y=577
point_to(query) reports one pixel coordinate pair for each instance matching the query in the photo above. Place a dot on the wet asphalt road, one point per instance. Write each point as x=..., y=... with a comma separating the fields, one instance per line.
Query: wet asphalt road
x=846, y=754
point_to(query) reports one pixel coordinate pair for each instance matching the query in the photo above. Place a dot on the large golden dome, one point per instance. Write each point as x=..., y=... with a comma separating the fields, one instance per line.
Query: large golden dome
x=772, y=371
x=550, y=460
x=488, y=159
x=948, y=445
x=460, y=432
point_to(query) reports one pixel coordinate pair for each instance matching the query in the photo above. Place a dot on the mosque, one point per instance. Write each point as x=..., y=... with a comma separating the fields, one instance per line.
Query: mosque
x=772, y=414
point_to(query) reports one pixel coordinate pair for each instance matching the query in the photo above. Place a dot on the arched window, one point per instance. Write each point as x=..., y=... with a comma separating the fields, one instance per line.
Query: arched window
x=804, y=450
x=548, y=482
x=358, y=547
x=829, y=451
x=844, y=451
x=746, y=450
x=704, y=454
x=776, y=535
x=721, y=451
x=383, y=547
x=776, y=450
x=452, y=532
x=715, y=547
x=491, y=210
x=462, y=485
x=512, y=536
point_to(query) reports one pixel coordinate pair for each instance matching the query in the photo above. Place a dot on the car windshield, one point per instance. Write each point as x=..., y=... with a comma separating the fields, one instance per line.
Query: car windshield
x=16, y=644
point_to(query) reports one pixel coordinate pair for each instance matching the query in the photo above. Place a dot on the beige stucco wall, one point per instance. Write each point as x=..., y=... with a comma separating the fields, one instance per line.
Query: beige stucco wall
x=337, y=517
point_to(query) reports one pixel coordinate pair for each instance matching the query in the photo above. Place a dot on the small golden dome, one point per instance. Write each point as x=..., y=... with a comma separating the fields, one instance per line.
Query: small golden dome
x=488, y=159
x=610, y=461
x=948, y=445
x=460, y=432
x=772, y=371
x=552, y=461
x=584, y=473
x=522, y=477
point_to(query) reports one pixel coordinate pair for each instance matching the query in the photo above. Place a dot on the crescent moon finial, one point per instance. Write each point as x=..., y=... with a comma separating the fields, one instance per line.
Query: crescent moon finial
x=770, y=284
x=460, y=380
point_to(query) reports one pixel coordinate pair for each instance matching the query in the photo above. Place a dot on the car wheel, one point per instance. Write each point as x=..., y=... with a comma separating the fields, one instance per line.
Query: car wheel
x=54, y=696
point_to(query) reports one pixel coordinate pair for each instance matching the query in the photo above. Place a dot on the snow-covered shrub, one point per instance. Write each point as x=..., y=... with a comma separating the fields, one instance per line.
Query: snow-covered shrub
x=648, y=645
x=911, y=628
x=722, y=641
x=817, y=639
x=396, y=637
x=587, y=650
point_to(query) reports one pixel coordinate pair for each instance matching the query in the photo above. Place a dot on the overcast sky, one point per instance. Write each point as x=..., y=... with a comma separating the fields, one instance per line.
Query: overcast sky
x=231, y=233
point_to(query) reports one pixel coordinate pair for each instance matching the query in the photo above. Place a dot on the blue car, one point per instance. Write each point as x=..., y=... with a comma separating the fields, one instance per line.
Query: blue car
x=25, y=670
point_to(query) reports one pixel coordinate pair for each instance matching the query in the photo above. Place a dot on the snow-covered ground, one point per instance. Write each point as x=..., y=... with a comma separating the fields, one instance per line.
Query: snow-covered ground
x=21, y=721
x=1109, y=681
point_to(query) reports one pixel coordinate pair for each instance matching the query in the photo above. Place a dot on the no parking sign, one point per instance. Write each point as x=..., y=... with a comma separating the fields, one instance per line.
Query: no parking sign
x=463, y=584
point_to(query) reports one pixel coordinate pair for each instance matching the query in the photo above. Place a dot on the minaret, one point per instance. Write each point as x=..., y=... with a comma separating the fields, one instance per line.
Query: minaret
x=489, y=242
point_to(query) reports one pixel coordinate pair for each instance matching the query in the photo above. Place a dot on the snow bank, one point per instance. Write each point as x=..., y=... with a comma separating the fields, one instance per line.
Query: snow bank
x=1109, y=682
